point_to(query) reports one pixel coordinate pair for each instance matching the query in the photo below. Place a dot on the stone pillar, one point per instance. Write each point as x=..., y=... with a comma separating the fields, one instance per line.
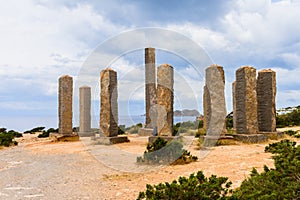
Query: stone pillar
x=150, y=83
x=85, y=110
x=206, y=107
x=234, y=105
x=246, y=101
x=165, y=99
x=266, y=94
x=109, y=103
x=215, y=84
x=65, y=102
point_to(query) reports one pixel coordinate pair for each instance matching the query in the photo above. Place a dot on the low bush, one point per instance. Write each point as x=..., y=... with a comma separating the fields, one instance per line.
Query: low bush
x=162, y=152
x=47, y=133
x=7, y=137
x=193, y=188
x=34, y=130
x=292, y=133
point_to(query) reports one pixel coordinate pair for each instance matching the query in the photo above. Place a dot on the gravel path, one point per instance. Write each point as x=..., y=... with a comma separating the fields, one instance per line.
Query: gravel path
x=40, y=169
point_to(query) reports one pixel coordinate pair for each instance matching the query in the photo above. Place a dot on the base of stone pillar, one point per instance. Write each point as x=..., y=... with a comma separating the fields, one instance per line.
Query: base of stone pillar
x=273, y=135
x=57, y=137
x=250, y=138
x=151, y=139
x=211, y=140
x=145, y=132
x=86, y=134
x=110, y=140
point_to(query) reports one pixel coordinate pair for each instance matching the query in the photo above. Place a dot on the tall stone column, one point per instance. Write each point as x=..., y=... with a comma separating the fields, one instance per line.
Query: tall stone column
x=150, y=83
x=65, y=102
x=266, y=94
x=206, y=107
x=234, y=104
x=85, y=110
x=246, y=101
x=109, y=103
x=215, y=84
x=165, y=99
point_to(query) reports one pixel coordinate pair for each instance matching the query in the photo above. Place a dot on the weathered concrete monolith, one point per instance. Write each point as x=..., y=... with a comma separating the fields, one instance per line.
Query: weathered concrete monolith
x=65, y=102
x=109, y=103
x=234, y=105
x=266, y=95
x=85, y=111
x=150, y=84
x=165, y=99
x=206, y=107
x=215, y=113
x=246, y=101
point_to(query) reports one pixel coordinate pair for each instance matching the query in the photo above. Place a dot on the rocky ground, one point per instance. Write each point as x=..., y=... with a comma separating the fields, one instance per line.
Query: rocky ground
x=41, y=169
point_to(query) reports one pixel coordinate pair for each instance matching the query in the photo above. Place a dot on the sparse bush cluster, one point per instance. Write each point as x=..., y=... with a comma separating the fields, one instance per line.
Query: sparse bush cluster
x=289, y=119
x=134, y=128
x=183, y=127
x=292, y=133
x=47, y=133
x=162, y=152
x=283, y=182
x=34, y=130
x=7, y=137
x=193, y=188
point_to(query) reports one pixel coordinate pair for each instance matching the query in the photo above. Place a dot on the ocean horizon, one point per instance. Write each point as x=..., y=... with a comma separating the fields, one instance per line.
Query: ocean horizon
x=135, y=119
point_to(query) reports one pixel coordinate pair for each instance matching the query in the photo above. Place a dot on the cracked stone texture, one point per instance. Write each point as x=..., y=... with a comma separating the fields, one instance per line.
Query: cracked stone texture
x=266, y=96
x=65, y=113
x=85, y=109
x=150, y=92
x=109, y=103
x=234, y=104
x=246, y=101
x=206, y=107
x=215, y=98
x=165, y=99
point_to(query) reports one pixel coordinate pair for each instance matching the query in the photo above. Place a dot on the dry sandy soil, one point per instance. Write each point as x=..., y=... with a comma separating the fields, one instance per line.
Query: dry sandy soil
x=41, y=169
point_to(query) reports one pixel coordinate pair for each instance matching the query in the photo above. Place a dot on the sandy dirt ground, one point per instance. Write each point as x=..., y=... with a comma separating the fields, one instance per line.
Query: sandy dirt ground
x=41, y=169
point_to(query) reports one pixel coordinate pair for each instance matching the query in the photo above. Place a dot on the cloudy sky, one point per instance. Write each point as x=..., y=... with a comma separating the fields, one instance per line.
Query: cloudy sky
x=41, y=40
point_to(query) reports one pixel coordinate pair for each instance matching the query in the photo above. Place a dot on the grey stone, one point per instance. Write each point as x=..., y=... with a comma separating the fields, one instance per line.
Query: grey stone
x=85, y=111
x=165, y=99
x=234, y=104
x=109, y=103
x=266, y=96
x=65, y=102
x=150, y=92
x=246, y=101
x=215, y=113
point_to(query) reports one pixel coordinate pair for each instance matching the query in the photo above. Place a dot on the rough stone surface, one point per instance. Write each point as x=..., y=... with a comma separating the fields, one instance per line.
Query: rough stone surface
x=109, y=103
x=234, y=104
x=110, y=140
x=251, y=138
x=145, y=132
x=246, y=101
x=165, y=99
x=150, y=92
x=65, y=102
x=266, y=96
x=85, y=110
x=206, y=107
x=215, y=113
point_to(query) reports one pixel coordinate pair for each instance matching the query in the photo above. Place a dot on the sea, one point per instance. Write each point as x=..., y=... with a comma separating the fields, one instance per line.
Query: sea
x=135, y=119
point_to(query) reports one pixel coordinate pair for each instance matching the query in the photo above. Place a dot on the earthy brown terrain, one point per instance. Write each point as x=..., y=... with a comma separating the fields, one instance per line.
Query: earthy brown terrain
x=41, y=169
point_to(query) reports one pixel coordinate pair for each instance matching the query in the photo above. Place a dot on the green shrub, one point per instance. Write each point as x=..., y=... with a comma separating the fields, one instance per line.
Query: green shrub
x=193, y=188
x=163, y=152
x=283, y=182
x=292, y=133
x=47, y=133
x=34, y=130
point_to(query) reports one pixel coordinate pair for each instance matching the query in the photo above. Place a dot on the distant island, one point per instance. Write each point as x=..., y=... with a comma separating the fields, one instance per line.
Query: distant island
x=186, y=112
